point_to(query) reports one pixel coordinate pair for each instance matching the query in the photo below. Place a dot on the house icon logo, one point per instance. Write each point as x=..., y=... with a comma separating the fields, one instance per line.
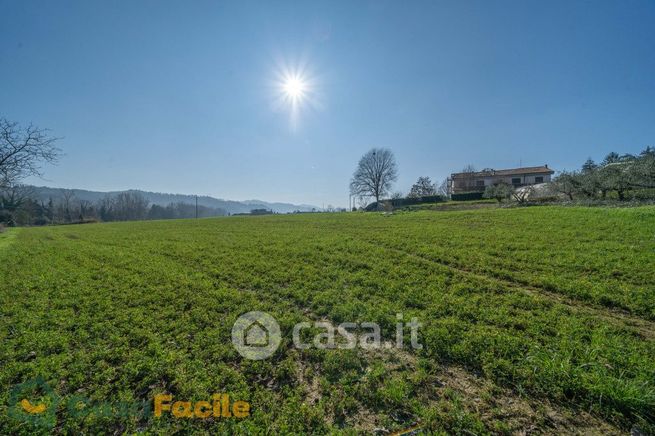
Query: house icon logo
x=256, y=335
x=24, y=407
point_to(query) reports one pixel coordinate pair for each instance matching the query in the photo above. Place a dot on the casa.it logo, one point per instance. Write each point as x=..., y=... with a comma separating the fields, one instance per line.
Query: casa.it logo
x=35, y=402
x=256, y=335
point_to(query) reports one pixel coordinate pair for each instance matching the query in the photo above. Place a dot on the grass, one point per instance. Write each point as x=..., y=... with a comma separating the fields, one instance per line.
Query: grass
x=6, y=237
x=531, y=317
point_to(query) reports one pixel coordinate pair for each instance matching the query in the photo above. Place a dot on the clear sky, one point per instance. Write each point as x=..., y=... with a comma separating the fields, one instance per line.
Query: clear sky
x=183, y=96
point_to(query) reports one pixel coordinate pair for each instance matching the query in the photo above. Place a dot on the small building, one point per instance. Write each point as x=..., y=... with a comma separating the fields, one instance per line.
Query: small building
x=479, y=180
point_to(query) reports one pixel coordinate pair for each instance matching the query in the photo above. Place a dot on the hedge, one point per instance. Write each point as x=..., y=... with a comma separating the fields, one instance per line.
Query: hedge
x=400, y=202
x=467, y=196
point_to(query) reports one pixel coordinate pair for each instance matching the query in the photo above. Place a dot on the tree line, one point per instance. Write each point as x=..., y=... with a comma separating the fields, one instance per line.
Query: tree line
x=23, y=150
x=617, y=176
x=18, y=206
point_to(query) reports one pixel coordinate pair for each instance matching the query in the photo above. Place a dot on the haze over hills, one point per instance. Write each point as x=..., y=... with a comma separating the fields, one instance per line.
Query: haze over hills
x=44, y=193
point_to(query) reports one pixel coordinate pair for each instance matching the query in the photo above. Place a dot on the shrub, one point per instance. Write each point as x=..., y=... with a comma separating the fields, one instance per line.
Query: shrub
x=400, y=202
x=548, y=199
x=499, y=191
x=467, y=196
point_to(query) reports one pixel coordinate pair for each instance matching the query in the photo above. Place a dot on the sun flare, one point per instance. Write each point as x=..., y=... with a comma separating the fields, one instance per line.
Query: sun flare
x=294, y=88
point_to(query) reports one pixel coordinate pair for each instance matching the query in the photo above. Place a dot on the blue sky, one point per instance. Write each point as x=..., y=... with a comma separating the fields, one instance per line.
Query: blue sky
x=182, y=96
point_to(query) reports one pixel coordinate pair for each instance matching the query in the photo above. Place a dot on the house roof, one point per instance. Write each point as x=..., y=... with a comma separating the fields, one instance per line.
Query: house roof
x=507, y=172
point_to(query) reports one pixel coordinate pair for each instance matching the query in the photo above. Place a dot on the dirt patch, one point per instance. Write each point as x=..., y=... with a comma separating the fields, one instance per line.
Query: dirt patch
x=307, y=379
x=521, y=415
x=447, y=384
x=492, y=404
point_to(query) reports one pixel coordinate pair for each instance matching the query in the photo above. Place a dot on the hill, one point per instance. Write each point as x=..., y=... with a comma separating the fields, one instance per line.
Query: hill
x=43, y=193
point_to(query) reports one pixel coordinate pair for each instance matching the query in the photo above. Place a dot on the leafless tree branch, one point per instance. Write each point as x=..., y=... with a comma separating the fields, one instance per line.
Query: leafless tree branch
x=375, y=174
x=23, y=150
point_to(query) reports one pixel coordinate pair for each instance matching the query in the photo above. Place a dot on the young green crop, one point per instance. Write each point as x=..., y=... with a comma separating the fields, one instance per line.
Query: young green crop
x=549, y=308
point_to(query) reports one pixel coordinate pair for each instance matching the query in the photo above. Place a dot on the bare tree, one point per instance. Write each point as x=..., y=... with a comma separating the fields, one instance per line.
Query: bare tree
x=12, y=199
x=23, y=150
x=375, y=173
x=423, y=188
x=85, y=209
x=67, y=200
x=129, y=206
x=362, y=201
x=468, y=175
x=443, y=188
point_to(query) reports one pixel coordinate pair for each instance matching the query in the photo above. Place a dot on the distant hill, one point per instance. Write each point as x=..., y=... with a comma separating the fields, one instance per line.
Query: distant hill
x=43, y=193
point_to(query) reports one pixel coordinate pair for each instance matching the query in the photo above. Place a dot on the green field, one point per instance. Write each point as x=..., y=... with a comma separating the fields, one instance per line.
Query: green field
x=538, y=319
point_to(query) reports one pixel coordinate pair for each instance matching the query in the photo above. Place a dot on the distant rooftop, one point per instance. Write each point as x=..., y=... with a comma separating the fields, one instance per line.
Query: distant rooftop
x=506, y=172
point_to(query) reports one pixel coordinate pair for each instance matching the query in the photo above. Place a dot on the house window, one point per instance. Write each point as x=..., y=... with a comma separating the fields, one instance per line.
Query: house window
x=539, y=179
x=516, y=180
x=479, y=183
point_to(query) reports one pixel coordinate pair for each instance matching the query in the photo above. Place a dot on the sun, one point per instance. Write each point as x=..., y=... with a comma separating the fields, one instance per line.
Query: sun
x=294, y=87
x=294, y=90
